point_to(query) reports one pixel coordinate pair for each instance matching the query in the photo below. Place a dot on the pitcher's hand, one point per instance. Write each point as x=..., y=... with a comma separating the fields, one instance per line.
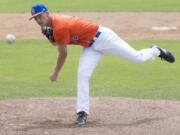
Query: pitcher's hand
x=53, y=77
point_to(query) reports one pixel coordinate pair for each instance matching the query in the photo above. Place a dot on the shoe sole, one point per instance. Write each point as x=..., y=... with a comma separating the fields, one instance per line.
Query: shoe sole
x=80, y=124
x=171, y=58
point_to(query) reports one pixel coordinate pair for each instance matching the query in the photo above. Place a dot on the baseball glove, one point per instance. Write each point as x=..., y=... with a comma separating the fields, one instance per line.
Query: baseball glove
x=48, y=32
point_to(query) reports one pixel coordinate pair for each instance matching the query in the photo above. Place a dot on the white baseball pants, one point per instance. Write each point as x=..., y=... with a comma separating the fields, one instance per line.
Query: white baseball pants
x=108, y=42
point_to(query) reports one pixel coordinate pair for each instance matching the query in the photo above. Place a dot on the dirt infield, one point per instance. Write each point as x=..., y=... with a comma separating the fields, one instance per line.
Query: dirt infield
x=109, y=116
x=128, y=25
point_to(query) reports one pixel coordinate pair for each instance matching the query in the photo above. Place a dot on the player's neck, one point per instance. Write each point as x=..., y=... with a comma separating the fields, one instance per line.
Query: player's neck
x=50, y=21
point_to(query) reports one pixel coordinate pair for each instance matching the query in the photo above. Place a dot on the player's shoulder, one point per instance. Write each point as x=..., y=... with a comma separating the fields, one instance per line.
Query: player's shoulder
x=65, y=16
x=58, y=21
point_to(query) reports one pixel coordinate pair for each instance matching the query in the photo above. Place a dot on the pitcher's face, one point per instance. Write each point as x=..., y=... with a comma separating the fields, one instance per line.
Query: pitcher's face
x=42, y=19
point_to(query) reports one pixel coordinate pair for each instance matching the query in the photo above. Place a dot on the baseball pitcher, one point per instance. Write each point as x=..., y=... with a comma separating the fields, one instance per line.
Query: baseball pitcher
x=96, y=40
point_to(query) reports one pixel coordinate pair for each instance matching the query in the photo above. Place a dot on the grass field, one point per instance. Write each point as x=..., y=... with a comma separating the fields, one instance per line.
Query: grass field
x=92, y=5
x=26, y=65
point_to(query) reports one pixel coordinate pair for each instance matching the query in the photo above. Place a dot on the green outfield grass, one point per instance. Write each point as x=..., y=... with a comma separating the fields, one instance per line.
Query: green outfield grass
x=26, y=65
x=92, y=5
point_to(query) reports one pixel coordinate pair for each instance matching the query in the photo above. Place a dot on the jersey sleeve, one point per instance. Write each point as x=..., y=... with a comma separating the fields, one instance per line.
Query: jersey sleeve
x=62, y=36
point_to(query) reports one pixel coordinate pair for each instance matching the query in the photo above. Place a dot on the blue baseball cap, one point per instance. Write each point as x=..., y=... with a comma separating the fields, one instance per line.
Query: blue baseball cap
x=37, y=9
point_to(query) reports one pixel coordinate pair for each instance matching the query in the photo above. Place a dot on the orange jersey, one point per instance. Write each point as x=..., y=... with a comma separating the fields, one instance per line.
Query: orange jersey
x=72, y=30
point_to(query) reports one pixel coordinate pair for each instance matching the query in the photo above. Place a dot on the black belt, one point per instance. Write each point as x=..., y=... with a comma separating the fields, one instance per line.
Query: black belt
x=98, y=33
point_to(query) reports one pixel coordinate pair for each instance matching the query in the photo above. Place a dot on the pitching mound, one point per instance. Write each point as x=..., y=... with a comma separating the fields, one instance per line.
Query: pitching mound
x=109, y=116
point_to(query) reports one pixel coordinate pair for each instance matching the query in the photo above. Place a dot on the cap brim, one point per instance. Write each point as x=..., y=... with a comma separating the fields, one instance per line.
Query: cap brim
x=35, y=15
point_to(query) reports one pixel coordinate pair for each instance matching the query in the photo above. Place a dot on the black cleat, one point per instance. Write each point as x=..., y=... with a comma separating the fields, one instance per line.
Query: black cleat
x=165, y=55
x=81, y=118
